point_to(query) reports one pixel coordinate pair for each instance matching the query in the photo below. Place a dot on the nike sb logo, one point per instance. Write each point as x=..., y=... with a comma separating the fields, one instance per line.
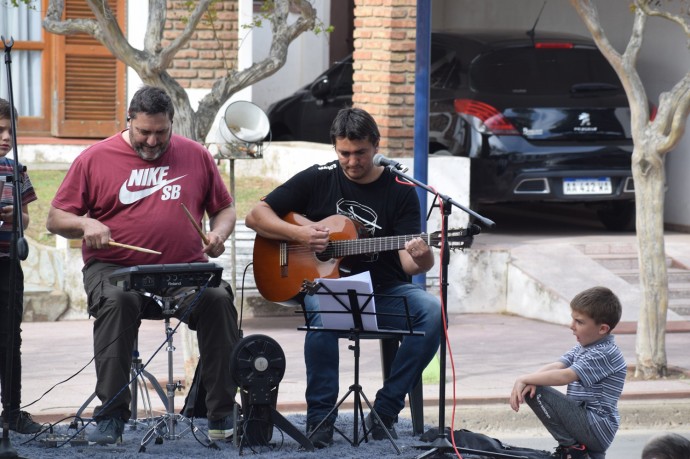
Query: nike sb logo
x=154, y=179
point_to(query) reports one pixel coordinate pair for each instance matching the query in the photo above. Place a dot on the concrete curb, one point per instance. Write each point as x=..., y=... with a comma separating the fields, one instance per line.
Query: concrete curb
x=496, y=418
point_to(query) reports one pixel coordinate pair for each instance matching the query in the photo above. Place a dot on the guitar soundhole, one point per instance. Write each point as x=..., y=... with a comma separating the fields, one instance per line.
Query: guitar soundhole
x=323, y=256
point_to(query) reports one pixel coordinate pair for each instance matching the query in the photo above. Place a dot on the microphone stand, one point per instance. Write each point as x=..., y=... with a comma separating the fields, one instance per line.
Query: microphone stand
x=442, y=444
x=19, y=250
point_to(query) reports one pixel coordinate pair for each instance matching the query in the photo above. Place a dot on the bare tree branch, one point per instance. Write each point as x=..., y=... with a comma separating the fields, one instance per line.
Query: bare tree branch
x=645, y=6
x=54, y=23
x=679, y=100
x=624, y=64
x=283, y=35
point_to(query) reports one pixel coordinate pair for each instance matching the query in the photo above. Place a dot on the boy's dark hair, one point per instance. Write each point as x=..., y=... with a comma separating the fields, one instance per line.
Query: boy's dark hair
x=667, y=446
x=599, y=303
x=355, y=124
x=6, y=110
x=152, y=101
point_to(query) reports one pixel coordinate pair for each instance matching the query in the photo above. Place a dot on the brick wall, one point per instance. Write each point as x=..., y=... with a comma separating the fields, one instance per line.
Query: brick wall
x=208, y=55
x=384, y=63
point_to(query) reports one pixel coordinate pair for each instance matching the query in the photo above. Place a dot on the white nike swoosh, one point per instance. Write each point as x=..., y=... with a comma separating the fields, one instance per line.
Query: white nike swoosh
x=129, y=197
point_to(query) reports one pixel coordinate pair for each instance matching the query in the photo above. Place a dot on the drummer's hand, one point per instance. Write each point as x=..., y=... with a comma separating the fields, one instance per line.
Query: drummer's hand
x=96, y=234
x=216, y=245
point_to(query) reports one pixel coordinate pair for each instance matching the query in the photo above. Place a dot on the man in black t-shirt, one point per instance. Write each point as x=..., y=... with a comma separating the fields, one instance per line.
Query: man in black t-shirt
x=381, y=206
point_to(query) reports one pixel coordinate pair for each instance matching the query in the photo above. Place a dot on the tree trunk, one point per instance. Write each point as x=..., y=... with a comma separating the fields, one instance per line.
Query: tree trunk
x=650, y=181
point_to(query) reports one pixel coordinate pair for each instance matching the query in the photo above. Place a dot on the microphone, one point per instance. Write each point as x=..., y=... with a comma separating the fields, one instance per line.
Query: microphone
x=380, y=160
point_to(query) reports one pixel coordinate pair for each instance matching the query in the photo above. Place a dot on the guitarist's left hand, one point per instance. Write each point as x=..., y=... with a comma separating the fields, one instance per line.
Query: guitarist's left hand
x=417, y=257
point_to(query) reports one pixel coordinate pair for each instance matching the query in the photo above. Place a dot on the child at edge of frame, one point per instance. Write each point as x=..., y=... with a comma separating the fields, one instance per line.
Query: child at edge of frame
x=12, y=302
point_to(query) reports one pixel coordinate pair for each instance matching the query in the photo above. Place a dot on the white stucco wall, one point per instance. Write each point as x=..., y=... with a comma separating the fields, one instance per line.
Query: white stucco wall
x=663, y=61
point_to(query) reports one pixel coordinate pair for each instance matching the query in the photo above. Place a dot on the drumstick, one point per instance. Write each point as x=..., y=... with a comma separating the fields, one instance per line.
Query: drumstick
x=133, y=247
x=196, y=227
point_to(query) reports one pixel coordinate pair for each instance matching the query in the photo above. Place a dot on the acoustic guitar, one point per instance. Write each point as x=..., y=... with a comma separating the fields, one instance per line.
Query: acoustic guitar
x=281, y=267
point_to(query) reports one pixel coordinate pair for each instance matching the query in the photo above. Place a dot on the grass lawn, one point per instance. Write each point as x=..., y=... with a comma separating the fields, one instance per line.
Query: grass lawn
x=46, y=183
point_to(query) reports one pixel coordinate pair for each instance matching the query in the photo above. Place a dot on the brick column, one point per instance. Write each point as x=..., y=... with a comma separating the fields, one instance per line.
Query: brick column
x=210, y=51
x=384, y=63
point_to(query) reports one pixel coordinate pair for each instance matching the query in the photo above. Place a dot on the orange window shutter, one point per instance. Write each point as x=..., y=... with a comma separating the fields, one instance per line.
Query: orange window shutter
x=89, y=94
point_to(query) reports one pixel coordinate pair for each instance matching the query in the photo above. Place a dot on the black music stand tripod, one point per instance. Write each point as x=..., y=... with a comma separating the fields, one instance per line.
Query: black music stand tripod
x=351, y=307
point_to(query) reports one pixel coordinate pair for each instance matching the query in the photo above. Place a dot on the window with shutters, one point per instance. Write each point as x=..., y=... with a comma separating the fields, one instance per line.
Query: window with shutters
x=89, y=84
x=28, y=58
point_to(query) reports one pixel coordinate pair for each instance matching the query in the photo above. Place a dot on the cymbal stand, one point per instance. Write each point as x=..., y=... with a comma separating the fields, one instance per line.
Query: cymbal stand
x=166, y=426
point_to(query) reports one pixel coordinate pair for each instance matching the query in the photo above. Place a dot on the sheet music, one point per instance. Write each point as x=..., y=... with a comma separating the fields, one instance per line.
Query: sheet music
x=328, y=303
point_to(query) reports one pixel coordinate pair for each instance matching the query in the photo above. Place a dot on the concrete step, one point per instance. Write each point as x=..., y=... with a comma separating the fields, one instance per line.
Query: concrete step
x=621, y=261
x=675, y=275
x=680, y=306
x=679, y=291
x=599, y=248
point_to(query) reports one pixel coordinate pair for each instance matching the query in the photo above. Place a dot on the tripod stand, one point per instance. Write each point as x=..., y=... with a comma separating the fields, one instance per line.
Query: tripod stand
x=356, y=325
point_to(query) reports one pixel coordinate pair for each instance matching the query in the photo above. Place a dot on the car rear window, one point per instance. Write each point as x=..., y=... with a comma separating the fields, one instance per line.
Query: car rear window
x=544, y=72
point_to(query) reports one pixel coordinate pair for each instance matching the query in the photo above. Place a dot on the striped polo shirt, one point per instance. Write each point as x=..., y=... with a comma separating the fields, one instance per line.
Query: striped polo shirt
x=601, y=370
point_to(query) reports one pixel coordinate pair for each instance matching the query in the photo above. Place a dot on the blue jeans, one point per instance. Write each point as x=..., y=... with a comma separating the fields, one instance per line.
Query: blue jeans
x=415, y=352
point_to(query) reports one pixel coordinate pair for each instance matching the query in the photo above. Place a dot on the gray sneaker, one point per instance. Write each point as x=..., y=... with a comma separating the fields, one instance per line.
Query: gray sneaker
x=108, y=432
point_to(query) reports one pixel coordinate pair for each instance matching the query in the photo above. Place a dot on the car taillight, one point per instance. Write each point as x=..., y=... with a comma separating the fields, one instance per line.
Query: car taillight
x=553, y=45
x=652, y=112
x=492, y=119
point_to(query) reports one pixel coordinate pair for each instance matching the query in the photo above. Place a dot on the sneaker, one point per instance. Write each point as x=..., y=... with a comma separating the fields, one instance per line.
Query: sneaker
x=108, y=432
x=23, y=423
x=221, y=429
x=323, y=437
x=571, y=452
x=377, y=430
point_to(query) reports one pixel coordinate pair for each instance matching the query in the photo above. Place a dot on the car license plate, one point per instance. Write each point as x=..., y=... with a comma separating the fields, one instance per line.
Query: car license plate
x=587, y=185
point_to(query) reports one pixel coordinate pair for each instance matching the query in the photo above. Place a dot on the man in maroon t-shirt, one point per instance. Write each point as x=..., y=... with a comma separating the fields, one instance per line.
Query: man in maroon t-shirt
x=129, y=189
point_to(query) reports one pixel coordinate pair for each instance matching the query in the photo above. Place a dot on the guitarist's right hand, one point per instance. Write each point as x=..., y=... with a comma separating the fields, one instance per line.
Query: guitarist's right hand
x=314, y=236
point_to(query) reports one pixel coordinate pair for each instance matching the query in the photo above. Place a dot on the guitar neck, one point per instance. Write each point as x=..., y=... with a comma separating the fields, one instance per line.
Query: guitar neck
x=344, y=248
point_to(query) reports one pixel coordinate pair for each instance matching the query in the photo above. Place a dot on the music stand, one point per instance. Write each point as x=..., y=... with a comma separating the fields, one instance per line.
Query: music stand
x=350, y=302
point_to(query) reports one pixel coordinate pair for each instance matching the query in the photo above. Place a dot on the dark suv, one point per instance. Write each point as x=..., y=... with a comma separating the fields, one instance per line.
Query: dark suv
x=543, y=118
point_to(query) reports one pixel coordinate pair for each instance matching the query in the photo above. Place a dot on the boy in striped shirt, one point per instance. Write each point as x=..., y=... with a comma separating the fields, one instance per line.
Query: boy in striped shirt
x=12, y=302
x=585, y=419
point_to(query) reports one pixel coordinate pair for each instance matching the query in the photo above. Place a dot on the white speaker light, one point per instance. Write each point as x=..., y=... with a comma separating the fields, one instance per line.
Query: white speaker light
x=244, y=126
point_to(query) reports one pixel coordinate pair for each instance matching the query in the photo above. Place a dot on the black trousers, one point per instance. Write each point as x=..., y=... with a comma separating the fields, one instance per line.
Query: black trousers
x=11, y=304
